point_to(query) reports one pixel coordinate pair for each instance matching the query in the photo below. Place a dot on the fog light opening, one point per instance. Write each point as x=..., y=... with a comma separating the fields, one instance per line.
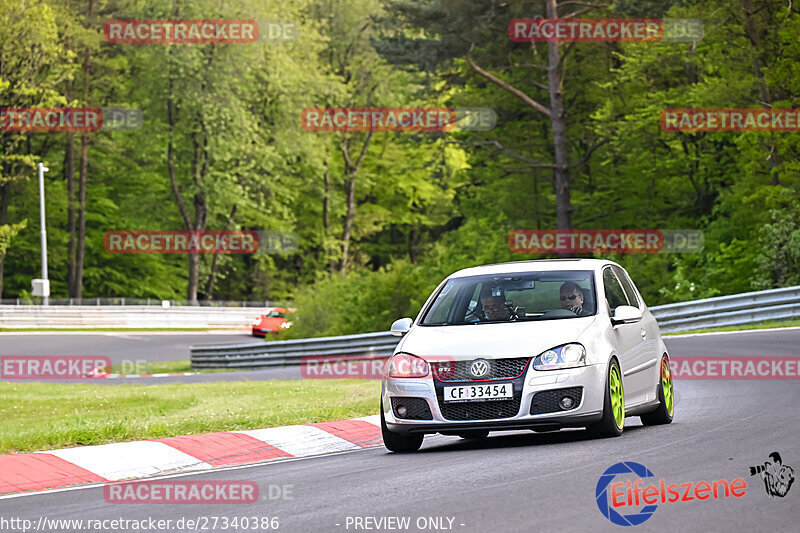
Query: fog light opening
x=566, y=403
x=402, y=411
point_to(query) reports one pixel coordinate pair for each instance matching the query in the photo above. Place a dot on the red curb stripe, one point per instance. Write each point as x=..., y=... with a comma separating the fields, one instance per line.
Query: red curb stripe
x=218, y=449
x=38, y=471
x=358, y=432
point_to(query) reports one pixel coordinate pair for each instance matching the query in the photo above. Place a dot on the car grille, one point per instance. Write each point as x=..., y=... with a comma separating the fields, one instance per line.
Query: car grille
x=547, y=401
x=481, y=410
x=416, y=408
x=498, y=369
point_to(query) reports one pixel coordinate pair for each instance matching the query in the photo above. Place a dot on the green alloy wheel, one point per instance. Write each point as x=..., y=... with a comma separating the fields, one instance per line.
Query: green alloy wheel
x=613, y=407
x=617, y=399
x=666, y=406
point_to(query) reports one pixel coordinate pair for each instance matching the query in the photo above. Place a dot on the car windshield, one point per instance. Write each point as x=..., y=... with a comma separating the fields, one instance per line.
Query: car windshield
x=276, y=314
x=515, y=297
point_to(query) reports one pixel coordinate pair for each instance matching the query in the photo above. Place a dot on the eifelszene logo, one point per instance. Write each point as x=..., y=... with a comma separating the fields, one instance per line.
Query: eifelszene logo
x=631, y=494
x=778, y=477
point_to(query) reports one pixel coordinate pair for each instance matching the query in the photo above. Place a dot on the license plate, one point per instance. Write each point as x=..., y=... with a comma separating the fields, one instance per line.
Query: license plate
x=478, y=392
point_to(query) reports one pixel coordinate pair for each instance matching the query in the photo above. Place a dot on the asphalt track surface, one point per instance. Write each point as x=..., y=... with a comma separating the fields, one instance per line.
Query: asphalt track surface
x=118, y=346
x=136, y=349
x=522, y=481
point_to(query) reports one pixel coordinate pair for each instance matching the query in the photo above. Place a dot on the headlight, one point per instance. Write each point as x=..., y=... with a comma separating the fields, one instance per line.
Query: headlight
x=403, y=365
x=256, y=321
x=567, y=356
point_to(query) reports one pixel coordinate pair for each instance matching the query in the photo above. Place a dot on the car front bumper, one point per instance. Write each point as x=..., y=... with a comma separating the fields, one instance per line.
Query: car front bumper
x=590, y=378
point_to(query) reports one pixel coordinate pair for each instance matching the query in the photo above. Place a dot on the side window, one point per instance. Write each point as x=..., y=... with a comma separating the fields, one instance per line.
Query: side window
x=614, y=293
x=627, y=284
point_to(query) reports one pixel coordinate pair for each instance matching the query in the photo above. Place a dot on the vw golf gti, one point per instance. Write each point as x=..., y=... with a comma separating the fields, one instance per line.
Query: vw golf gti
x=539, y=345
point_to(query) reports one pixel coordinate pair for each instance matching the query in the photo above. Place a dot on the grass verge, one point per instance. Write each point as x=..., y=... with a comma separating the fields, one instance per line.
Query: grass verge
x=169, y=367
x=41, y=416
x=743, y=327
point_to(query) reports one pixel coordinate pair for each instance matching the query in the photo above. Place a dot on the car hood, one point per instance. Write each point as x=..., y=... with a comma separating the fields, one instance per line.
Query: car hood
x=493, y=341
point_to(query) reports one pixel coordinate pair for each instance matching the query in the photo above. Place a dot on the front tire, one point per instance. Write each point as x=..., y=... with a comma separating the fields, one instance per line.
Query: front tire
x=397, y=442
x=666, y=408
x=613, y=420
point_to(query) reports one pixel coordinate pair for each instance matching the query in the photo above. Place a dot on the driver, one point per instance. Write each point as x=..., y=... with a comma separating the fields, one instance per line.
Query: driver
x=494, y=304
x=572, y=297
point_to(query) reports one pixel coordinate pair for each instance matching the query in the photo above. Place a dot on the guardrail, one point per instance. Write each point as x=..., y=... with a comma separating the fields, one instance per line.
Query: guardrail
x=285, y=353
x=733, y=310
x=737, y=309
x=38, y=316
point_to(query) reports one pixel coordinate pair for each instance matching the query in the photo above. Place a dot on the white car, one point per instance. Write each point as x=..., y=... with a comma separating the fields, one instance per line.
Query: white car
x=538, y=345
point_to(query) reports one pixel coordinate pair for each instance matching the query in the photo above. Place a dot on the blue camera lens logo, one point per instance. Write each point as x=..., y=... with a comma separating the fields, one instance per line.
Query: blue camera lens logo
x=602, y=497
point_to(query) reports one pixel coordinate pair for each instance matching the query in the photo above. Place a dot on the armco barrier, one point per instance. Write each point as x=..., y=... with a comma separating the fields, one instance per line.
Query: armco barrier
x=733, y=310
x=284, y=353
x=38, y=316
x=737, y=309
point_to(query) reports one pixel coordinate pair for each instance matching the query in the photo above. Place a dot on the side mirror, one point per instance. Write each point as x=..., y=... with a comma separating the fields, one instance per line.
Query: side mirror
x=626, y=314
x=401, y=326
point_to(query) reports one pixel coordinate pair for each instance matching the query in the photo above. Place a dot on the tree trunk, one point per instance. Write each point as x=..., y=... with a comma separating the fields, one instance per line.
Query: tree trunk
x=171, y=120
x=350, y=194
x=5, y=194
x=774, y=157
x=559, y=124
x=193, y=263
x=215, y=261
x=199, y=163
x=81, y=245
x=326, y=219
x=413, y=241
x=80, y=251
x=69, y=175
x=350, y=169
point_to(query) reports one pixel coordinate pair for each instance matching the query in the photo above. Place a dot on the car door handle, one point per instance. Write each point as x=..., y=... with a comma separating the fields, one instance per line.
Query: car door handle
x=644, y=333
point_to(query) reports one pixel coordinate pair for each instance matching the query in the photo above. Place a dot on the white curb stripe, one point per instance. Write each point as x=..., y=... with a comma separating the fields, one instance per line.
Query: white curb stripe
x=130, y=459
x=301, y=440
x=372, y=419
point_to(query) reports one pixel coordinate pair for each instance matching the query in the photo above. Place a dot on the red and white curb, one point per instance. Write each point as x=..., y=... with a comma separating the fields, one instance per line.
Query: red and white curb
x=132, y=460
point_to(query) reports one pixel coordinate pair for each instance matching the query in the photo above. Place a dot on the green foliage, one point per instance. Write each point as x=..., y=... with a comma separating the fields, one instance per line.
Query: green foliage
x=425, y=204
x=363, y=301
x=8, y=232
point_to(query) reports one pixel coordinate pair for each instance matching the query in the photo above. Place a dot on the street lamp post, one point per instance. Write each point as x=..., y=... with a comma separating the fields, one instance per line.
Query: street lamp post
x=44, y=284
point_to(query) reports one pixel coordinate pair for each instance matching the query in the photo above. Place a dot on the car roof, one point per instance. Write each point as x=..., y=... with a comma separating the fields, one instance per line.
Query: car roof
x=535, y=265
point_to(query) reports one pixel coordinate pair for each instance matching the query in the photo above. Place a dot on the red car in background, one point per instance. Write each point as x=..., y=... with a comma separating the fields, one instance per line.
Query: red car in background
x=271, y=322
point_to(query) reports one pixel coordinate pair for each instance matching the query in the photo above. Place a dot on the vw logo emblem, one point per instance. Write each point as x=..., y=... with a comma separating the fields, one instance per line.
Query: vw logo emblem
x=479, y=368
